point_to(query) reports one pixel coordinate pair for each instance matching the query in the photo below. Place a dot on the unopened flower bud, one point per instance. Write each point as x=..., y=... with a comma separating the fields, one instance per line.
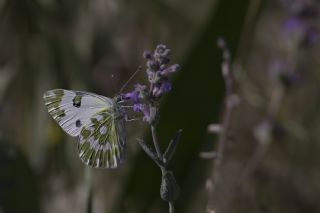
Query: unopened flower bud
x=169, y=189
x=147, y=55
x=172, y=69
x=152, y=65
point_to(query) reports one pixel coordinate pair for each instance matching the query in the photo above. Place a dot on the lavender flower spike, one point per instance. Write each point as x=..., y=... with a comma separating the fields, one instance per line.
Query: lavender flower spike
x=158, y=71
x=145, y=99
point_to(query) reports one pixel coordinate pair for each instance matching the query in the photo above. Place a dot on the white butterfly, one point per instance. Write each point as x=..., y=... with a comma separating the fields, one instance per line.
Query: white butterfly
x=98, y=121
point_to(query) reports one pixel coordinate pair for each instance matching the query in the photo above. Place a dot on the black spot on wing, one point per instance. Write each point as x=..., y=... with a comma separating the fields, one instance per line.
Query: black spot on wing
x=77, y=101
x=78, y=123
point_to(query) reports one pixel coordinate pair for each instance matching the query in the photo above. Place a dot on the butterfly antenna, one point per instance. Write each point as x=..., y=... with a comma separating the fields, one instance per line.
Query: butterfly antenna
x=128, y=81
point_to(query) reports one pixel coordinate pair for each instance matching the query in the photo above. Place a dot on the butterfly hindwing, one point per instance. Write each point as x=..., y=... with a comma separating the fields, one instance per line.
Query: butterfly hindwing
x=102, y=140
x=72, y=109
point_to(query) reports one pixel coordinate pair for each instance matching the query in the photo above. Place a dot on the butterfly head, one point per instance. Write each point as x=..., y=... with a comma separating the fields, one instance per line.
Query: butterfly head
x=117, y=99
x=118, y=110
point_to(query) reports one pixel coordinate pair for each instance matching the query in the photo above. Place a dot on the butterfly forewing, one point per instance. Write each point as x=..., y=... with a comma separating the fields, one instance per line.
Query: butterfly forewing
x=97, y=120
x=102, y=142
x=72, y=109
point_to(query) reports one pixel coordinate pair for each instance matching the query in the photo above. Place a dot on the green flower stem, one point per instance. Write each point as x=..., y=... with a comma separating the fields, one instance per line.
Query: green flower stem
x=155, y=141
x=163, y=168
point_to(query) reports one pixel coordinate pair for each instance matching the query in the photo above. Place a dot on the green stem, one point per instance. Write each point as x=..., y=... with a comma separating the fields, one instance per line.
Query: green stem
x=163, y=168
x=155, y=141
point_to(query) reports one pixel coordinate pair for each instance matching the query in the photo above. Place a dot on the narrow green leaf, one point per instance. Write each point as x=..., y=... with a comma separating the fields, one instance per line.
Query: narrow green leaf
x=148, y=150
x=171, y=148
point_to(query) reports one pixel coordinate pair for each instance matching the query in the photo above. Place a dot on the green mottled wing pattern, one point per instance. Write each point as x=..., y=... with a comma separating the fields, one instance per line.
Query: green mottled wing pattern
x=72, y=109
x=102, y=140
x=97, y=120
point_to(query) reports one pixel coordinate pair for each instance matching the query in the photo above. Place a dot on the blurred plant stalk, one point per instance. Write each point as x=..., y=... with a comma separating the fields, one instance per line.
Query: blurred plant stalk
x=222, y=129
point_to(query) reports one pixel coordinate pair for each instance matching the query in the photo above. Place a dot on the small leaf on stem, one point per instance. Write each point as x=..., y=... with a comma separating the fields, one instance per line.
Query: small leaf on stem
x=148, y=150
x=171, y=148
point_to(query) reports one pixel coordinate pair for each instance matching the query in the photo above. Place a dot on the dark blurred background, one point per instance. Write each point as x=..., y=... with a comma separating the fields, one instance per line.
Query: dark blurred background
x=271, y=159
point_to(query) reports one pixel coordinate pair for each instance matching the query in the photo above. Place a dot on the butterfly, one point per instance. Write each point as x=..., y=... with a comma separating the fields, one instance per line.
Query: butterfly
x=98, y=122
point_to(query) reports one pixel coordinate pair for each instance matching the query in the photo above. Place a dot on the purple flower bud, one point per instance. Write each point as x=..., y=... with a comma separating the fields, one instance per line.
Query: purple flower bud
x=150, y=75
x=136, y=94
x=160, y=49
x=136, y=107
x=155, y=77
x=146, y=113
x=147, y=55
x=161, y=53
x=172, y=69
x=140, y=87
x=165, y=86
x=132, y=96
x=155, y=91
x=152, y=65
x=144, y=109
x=164, y=60
x=161, y=88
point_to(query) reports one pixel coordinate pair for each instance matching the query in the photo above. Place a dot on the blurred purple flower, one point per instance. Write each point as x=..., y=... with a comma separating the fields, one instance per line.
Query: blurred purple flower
x=311, y=37
x=302, y=18
x=293, y=24
x=286, y=73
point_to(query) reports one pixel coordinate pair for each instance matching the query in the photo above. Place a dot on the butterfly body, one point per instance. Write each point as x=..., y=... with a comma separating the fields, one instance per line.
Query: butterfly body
x=98, y=121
